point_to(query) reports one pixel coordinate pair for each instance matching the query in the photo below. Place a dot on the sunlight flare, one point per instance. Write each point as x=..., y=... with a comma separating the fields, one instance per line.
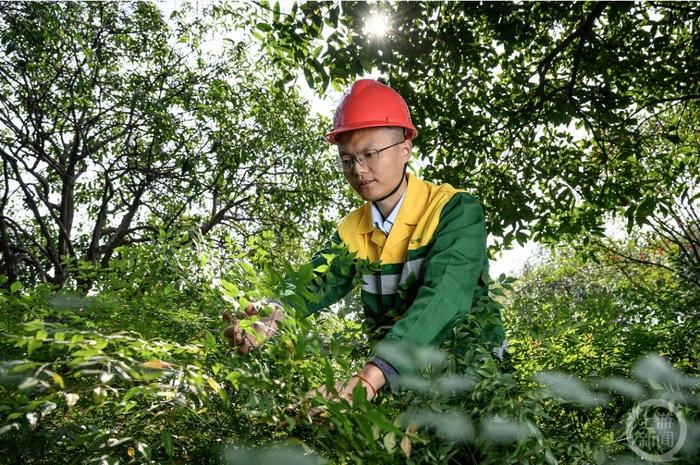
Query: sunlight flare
x=376, y=25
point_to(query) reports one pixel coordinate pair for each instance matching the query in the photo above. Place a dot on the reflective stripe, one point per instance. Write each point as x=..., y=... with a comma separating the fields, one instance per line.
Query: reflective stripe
x=383, y=285
x=388, y=284
x=371, y=285
x=414, y=266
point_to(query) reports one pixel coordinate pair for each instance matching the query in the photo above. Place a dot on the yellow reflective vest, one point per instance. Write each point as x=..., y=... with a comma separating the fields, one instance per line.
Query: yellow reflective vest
x=429, y=268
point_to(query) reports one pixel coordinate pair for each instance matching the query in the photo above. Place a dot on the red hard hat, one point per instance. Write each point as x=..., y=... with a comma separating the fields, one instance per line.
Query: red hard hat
x=371, y=104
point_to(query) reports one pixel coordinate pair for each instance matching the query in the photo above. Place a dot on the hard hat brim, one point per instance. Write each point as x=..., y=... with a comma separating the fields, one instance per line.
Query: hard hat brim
x=411, y=132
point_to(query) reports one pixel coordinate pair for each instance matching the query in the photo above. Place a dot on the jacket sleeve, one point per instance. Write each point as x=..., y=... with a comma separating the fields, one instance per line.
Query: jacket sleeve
x=325, y=283
x=451, y=272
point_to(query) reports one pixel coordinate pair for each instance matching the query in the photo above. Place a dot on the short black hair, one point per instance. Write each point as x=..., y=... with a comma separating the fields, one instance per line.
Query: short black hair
x=398, y=130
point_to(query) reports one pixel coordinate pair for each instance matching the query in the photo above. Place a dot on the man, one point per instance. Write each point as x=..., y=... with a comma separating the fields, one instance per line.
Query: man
x=429, y=240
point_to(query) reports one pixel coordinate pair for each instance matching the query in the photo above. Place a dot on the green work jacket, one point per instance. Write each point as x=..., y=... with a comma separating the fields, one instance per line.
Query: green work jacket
x=429, y=268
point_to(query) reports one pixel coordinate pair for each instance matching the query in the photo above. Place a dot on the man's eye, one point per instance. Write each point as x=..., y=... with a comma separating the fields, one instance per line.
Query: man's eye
x=346, y=161
x=371, y=154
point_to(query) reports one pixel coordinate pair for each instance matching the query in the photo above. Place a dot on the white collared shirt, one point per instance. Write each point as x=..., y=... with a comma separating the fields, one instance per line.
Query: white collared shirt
x=382, y=224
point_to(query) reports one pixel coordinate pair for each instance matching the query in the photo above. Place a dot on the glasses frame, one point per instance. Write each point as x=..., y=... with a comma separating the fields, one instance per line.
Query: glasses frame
x=367, y=157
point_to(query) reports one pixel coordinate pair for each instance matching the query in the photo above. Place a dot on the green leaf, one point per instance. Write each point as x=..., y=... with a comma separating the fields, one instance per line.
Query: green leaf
x=132, y=392
x=33, y=326
x=167, y=439
x=276, y=12
x=128, y=406
x=33, y=345
x=258, y=36
x=230, y=289
x=497, y=291
x=600, y=457
x=549, y=456
x=58, y=379
x=309, y=76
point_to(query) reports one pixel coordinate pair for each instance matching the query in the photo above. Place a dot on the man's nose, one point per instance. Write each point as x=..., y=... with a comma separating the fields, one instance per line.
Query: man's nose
x=359, y=169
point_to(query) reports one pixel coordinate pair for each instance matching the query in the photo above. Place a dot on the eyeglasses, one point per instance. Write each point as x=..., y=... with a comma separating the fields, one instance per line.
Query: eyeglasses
x=347, y=161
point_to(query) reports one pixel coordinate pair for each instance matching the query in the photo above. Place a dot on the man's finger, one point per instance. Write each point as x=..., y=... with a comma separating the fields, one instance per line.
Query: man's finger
x=244, y=348
x=248, y=344
x=230, y=334
x=251, y=310
x=316, y=410
x=235, y=334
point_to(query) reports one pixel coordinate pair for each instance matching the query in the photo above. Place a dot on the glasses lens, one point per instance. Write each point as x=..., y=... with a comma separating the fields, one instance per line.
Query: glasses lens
x=370, y=156
x=344, y=164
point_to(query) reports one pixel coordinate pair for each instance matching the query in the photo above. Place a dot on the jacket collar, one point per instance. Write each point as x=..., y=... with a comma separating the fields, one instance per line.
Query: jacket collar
x=417, y=196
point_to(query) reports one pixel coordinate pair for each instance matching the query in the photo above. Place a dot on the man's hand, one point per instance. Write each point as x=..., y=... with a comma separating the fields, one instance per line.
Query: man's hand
x=343, y=390
x=369, y=374
x=370, y=377
x=259, y=332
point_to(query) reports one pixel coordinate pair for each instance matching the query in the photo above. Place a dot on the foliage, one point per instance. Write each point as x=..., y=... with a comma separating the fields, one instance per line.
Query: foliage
x=117, y=127
x=151, y=183
x=139, y=374
x=596, y=317
x=554, y=114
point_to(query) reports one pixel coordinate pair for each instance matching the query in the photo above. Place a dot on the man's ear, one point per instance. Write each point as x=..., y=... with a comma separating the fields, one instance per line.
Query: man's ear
x=406, y=149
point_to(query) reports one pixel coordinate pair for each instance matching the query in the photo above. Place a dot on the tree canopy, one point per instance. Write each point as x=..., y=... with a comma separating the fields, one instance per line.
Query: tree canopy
x=117, y=128
x=555, y=114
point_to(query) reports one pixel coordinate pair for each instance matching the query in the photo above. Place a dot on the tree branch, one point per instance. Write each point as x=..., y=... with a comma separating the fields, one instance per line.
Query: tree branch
x=581, y=32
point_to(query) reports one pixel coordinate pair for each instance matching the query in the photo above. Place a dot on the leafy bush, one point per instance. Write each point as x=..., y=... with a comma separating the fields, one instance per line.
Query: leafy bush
x=138, y=373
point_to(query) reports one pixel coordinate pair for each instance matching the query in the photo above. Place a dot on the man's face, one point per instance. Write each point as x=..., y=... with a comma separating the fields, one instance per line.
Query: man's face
x=376, y=179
